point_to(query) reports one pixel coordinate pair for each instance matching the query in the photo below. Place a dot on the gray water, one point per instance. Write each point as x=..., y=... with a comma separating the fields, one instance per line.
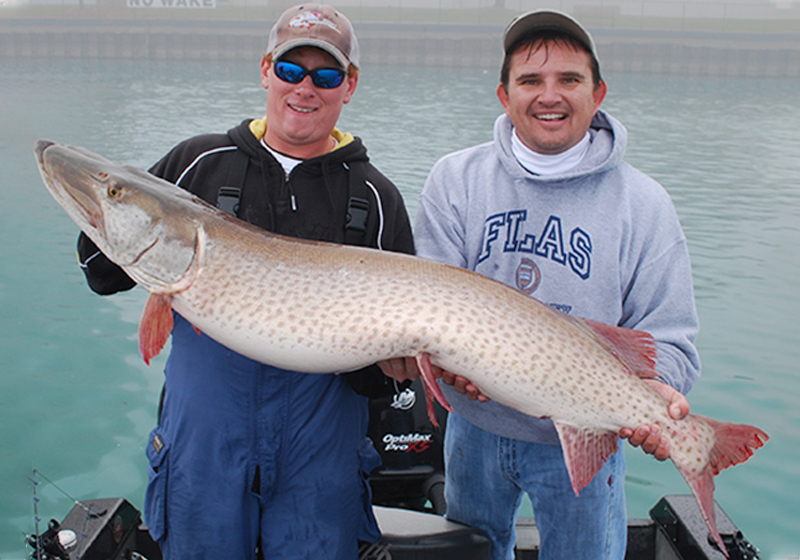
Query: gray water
x=77, y=402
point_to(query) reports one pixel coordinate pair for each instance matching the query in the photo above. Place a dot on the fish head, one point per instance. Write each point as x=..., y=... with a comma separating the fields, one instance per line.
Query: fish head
x=136, y=219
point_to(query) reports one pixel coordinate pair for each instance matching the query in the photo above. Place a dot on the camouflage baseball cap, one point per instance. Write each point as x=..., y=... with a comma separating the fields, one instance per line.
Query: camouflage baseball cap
x=314, y=25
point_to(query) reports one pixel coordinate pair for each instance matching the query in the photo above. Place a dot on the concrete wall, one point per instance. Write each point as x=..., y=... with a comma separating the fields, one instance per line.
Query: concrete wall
x=427, y=45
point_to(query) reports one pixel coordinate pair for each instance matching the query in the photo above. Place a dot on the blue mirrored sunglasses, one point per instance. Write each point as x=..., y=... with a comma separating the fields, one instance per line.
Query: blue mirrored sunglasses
x=327, y=78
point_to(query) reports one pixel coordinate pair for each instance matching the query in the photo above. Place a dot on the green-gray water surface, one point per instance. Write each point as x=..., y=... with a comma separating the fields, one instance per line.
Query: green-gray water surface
x=77, y=402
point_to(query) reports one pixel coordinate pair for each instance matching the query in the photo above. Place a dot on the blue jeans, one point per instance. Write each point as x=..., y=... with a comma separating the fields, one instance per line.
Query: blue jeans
x=486, y=478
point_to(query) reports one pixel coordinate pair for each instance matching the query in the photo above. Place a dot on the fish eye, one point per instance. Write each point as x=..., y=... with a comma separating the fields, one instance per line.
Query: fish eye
x=114, y=191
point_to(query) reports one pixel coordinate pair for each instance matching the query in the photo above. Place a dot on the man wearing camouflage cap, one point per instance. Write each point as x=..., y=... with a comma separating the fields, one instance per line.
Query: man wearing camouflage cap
x=246, y=456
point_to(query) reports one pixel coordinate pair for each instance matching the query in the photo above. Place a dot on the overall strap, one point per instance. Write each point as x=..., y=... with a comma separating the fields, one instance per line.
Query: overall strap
x=230, y=194
x=360, y=223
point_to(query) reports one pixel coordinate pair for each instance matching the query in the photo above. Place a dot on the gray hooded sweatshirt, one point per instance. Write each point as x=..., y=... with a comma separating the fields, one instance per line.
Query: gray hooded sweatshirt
x=602, y=241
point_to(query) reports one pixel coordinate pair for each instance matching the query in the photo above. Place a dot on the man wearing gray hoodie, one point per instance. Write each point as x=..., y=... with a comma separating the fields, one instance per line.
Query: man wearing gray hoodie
x=551, y=208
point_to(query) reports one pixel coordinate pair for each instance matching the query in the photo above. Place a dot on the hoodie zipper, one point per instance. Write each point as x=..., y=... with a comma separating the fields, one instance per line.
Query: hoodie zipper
x=291, y=192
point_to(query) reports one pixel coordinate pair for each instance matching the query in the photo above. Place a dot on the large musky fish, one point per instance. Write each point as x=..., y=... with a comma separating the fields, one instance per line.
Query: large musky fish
x=320, y=308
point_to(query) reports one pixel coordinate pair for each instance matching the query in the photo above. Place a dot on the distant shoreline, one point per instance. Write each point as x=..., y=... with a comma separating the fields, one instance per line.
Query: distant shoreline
x=648, y=51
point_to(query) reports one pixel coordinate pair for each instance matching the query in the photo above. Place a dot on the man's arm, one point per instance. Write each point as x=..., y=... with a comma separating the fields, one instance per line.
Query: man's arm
x=103, y=276
x=661, y=302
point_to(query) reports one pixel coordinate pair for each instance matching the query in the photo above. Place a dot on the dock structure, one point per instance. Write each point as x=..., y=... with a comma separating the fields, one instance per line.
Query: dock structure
x=414, y=44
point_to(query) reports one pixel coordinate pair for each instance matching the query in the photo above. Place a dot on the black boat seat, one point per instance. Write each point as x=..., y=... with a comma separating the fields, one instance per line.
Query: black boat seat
x=414, y=535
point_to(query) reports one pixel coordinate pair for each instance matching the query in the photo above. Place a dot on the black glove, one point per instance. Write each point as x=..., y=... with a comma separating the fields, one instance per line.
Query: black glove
x=103, y=276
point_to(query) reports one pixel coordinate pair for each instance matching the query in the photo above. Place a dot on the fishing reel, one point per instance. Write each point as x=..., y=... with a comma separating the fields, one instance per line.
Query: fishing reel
x=738, y=547
x=53, y=543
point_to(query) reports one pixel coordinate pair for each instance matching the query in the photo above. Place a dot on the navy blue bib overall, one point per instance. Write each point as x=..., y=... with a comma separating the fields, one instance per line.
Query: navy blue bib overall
x=291, y=447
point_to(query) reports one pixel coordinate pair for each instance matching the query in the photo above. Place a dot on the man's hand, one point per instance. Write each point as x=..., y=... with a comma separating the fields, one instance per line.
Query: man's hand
x=402, y=369
x=461, y=384
x=649, y=437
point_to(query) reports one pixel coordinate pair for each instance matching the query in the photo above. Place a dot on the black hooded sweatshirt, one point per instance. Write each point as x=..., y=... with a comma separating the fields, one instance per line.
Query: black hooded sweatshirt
x=310, y=203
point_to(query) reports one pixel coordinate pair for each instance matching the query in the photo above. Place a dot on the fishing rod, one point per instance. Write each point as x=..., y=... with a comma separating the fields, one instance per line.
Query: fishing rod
x=55, y=542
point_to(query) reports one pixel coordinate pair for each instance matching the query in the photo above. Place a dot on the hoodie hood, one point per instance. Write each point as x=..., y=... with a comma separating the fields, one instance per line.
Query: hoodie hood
x=259, y=127
x=608, y=136
x=247, y=136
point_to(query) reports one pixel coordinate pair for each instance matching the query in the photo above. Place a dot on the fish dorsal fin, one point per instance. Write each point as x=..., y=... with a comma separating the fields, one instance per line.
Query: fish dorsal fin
x=636, y=349
x=585, y=451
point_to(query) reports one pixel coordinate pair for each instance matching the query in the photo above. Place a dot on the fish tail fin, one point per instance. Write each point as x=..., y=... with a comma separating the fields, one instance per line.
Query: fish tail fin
x=733, y=444
x=155, y=326
x=432, y=388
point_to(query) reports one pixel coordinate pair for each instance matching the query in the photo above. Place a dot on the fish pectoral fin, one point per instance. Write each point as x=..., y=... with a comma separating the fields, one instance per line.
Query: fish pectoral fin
x=155, y=325
x=432, y=388
x=585, y=451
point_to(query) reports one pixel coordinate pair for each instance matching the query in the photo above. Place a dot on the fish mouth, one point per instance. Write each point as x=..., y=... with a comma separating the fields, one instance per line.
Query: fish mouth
x=78, y=194
x=41, y=146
